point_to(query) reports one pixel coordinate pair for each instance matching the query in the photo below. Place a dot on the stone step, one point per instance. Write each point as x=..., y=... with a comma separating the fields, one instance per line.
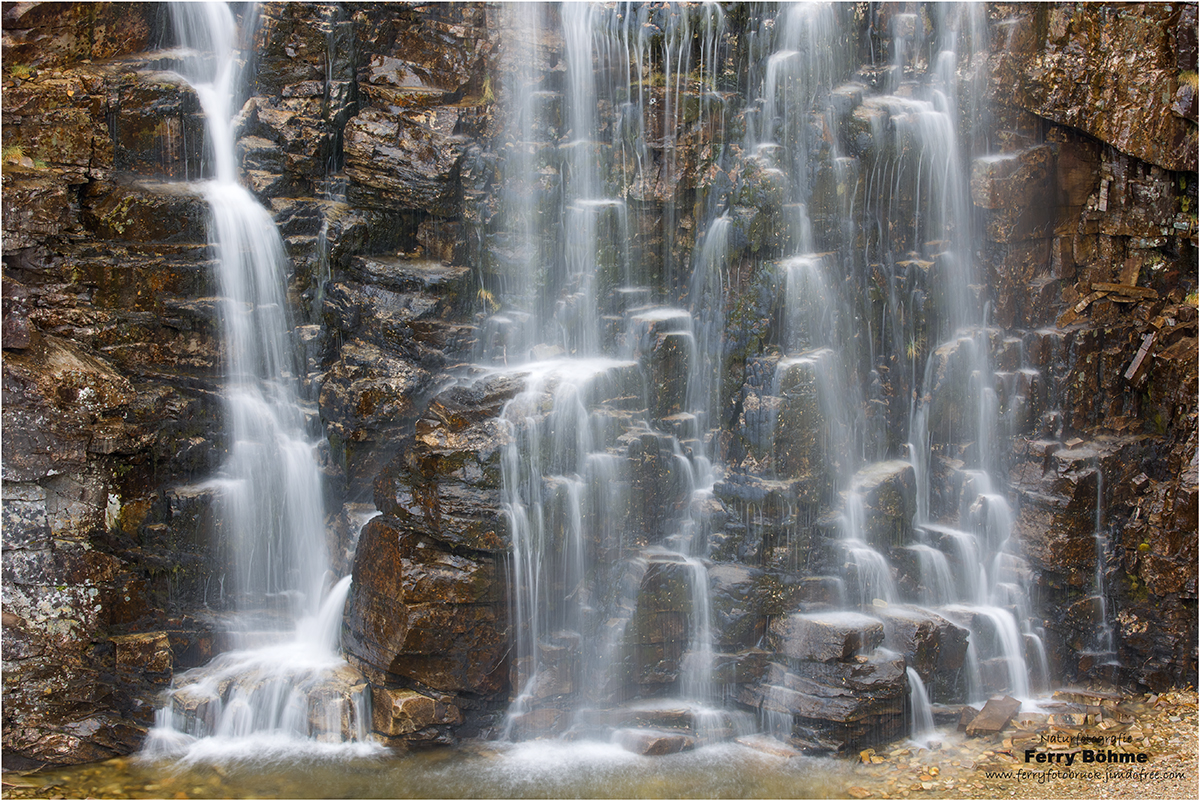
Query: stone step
x=826, y=636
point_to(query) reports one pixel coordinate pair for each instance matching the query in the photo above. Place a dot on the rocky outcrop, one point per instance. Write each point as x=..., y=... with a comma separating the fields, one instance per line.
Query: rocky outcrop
x=1115, y=72
x=429, y=608
x=1105, y=287
x=836, y=705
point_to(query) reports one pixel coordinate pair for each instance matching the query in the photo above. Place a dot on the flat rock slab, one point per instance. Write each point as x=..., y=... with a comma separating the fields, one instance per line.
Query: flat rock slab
x=965, y=716
x=995, y=715
x=655, y=719
x=653, y=742
x=408, y=275
x=827, y=636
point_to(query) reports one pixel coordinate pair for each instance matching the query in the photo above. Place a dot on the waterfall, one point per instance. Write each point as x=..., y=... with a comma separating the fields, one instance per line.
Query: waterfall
x=1105, y=650
x=639, y=457
x=922, y=713
x=272, y=504
x=696, y=680
x=694, y=375
x=288, y=687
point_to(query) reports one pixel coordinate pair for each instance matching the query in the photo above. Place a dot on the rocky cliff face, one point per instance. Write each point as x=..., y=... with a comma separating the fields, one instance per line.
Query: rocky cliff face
x=1106, y=282
x=377, y=137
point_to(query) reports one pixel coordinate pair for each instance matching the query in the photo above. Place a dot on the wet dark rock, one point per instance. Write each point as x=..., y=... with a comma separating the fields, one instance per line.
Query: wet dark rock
x=1054, y=52
x=826, y=637
x=837, y=706
x=369, y=397
x=419, y=612
x=148, y=212
x=888, y=495
x=1017, y=192
x=55, y=391
x=407, y=160
x=300, y=45
x=156, y=123
x=949, y=390
x=931, y=645
x=656, y=484
x=668, y=365
x=801, y=429
x=446, y=484
x=657, y=632
x=427, y=53
x=36, y=205
x=651, y=742
x=48, y=35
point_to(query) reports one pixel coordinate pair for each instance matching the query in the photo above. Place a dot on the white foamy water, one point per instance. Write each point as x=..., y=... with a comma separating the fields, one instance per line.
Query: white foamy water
x=293, y=691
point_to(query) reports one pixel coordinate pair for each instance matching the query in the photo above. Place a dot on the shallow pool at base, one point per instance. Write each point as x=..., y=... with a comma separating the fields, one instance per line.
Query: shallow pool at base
x=528, y=770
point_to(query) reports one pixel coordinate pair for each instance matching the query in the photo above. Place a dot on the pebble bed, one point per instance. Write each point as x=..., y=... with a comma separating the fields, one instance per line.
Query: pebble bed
x=1162, y=726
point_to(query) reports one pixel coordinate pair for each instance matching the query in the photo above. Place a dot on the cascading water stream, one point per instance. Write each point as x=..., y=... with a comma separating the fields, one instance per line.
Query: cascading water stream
x=557, y=587
x=610, y=462
x=289, y=688
x=1105, y=651
x=922, y=728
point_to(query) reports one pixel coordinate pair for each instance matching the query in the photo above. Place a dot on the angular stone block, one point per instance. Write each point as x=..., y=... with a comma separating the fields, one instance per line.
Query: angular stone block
x=887, y=491
x=398, y=712
x=995, y=715
x=827, y=636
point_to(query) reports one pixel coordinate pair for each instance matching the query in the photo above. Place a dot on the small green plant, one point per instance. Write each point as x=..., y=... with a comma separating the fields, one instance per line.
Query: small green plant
x=1192, y=298
x=22, y=72
x=488, y=95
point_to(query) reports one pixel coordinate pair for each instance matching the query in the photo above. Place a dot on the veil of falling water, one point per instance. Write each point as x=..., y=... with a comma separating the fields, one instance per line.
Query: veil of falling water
x=617, y=448
x=603, y=330
x=622, y=342
x=287, y=686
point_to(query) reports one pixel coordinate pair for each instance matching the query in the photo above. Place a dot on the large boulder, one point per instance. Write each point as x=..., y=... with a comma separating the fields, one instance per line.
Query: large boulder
x=418, y=612
x=826, y=636
x=933, y=646
x=887, y=492
x=837, y=706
